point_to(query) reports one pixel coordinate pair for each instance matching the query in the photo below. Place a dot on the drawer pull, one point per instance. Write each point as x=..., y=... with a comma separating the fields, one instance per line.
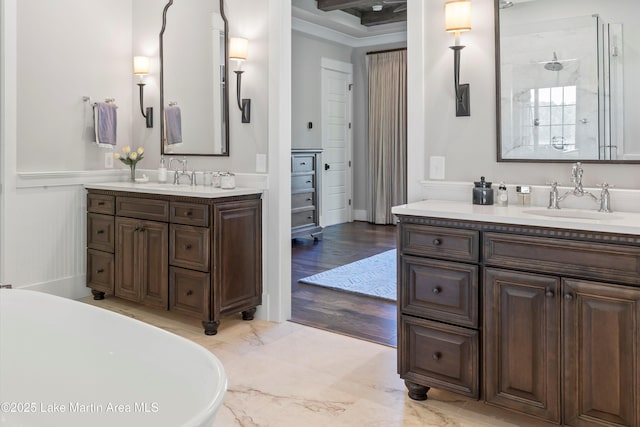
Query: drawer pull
x=549, y=293
x=437, y=242
x=437, y=355
x=309, y=217
x=568, y=297
x=308, y=182
x=189, y=292
x=100, y=232
x=303, y=163
x=142, y=229
x=100, y=203
x=189, y=213
x=100, y=270
x=437, y=290
x=188, y=246
x=136, y=229
x=309, y=199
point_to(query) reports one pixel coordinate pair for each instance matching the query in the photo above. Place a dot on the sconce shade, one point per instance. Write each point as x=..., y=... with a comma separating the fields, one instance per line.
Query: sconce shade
x=140, y=65
x=238, y=48
x=457, y=16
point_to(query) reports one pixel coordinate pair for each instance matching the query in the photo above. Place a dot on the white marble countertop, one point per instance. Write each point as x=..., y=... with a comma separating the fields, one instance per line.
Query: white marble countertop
x=203, y=191
x=573, y=219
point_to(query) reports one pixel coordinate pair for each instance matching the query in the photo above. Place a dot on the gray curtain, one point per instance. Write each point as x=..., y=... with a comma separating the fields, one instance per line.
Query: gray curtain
x=387, y=134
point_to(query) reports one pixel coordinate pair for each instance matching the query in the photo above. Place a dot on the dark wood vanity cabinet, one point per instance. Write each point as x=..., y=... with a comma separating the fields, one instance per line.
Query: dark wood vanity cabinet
x=559, y=318
x=196, y=256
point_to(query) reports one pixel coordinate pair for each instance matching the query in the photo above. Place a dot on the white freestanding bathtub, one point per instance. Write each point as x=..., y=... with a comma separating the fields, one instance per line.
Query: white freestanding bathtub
x=65, y=363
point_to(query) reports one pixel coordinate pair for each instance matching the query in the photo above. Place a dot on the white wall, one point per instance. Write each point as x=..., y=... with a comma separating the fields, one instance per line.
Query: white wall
x=306, y=54
x=469, y=143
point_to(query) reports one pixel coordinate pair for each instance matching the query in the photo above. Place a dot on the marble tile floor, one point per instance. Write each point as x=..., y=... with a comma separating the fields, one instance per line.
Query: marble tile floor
x=287, y=374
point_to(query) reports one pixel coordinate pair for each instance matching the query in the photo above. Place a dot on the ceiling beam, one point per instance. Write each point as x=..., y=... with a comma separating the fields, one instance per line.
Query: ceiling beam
x=328, y=5
x=384, y=17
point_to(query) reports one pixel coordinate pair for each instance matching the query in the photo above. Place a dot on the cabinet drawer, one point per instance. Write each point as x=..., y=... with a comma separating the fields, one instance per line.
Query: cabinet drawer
x=440, y=242
x=156, y=210
x=298, y=219
x=302, y=163
x=603, y=261
x=439, y=355
x=100, y=232
x=302, y=183
x=189, y=292
x=100, y=271
x=301, y=200
x=100, y=203
x=189, y=247
x=189, y=214
x=439, y=290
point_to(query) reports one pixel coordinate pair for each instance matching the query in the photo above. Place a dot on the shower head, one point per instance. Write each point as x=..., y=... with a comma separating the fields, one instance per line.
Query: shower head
x=553, y=65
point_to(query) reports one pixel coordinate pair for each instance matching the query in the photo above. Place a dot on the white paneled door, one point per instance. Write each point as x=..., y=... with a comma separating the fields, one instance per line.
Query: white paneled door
x=336, y=143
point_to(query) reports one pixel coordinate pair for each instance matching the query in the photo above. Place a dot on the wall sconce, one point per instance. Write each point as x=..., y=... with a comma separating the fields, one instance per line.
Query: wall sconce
x=458, y=19
x=238, y=48
x=141, y=68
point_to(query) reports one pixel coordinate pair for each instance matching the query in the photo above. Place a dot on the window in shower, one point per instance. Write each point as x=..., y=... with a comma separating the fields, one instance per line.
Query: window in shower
x=553, y=118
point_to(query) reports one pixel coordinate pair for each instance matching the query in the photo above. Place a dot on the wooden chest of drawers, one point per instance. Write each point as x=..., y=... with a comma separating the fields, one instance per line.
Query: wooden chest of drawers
x=305, y=194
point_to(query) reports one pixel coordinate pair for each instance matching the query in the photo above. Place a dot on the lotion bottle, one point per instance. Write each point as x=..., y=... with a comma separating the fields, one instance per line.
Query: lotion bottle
x=162, y=171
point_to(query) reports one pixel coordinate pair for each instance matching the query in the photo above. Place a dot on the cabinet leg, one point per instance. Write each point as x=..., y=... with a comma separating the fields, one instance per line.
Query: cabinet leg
x=211, y=328
x=417, y=391
x=248, y=314
x=97, y=295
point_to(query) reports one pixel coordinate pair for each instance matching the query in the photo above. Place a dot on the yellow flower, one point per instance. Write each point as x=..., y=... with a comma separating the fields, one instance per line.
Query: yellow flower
x=133, y=155
x=140, y=150
x=116, y=155
x=126, y=149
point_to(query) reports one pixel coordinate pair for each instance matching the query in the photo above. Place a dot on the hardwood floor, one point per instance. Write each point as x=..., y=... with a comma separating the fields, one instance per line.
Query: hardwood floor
x=359, y=316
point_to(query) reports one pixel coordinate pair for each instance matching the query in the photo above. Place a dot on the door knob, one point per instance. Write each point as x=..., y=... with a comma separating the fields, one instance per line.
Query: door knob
x=326, y=166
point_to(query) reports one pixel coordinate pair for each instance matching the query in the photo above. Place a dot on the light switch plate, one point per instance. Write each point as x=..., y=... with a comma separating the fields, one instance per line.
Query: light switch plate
x=108, y=160
x=261, y=163
x=436, y=167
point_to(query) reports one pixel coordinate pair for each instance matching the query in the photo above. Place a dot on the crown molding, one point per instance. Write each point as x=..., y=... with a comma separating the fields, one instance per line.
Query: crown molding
x=316, y=30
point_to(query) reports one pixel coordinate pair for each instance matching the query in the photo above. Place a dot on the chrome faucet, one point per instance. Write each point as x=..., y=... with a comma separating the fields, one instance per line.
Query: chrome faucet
x=177, y=173
x=579, y=191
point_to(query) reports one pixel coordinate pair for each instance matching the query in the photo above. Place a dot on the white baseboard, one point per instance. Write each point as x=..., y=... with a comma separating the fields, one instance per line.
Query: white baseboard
x=69, y=287
x=360, y=215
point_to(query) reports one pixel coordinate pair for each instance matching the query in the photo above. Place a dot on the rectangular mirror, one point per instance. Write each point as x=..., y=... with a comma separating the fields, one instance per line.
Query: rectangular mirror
x=566, y=80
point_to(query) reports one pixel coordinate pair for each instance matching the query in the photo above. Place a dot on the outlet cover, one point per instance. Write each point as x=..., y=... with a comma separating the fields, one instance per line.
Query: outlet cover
x=436, y=167
x=261, y=163
x=108, y=160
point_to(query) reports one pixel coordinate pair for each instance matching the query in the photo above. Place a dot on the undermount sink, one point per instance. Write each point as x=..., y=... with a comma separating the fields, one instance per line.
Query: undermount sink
x=572, y=214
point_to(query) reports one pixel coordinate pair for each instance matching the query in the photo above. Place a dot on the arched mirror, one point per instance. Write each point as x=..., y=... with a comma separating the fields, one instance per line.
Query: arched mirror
x=193, y=75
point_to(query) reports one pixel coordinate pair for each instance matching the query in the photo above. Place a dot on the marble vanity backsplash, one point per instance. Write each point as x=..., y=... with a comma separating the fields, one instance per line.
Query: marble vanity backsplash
x=622, y=200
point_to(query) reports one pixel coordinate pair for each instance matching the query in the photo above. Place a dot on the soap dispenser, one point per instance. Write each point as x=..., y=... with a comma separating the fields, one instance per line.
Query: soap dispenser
x=162, y=171
x=503, y=196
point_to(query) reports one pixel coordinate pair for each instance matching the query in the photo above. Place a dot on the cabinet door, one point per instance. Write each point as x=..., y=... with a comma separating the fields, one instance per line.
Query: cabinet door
x=142, y=261
x=154, y=264
x=127, y=259
x=601, y=354
x=521, y=342
x=237, y=256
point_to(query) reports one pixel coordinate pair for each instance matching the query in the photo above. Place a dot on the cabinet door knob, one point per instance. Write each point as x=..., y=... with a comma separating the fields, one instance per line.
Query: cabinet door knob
x=437, y=355
x=568, y=297
x=100, y=270
x=437, y=290
x=549, y=293
x=100, y=232
x=189, y=292
x=437, y=242
x=187, y=246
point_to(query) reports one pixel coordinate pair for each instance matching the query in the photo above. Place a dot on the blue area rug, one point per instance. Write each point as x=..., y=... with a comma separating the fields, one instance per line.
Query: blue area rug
x=374, y=276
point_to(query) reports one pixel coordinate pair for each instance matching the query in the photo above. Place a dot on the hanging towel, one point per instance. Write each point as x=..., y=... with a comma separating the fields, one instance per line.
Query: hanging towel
x=105, y=120
x=173, y=125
